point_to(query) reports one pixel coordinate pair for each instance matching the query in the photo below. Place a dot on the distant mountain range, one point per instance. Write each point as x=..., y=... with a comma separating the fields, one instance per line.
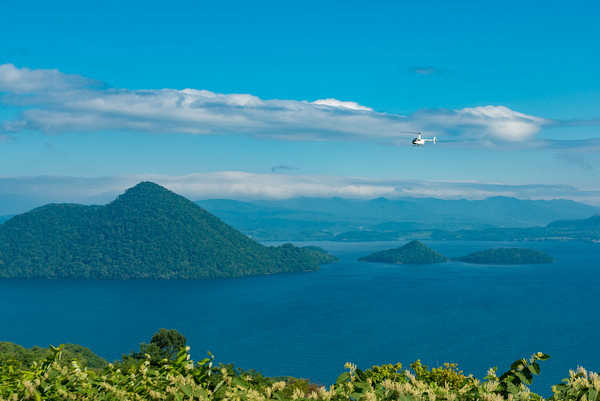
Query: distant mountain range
x=380, y=219
x=495, y=218
x=148, y=232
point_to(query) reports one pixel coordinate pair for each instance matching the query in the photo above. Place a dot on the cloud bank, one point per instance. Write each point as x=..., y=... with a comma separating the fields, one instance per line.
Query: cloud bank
x=54, y=102
x=248, y=186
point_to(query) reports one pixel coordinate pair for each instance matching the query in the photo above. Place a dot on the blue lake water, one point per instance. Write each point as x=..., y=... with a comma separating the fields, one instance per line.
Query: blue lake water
x=310, y=324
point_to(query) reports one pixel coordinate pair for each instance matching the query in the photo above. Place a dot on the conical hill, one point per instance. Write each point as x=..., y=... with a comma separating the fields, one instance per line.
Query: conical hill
x=414, y=252
x=147, y=232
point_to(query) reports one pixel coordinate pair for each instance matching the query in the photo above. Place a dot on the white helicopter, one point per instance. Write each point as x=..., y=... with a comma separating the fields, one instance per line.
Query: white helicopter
x=418, y=141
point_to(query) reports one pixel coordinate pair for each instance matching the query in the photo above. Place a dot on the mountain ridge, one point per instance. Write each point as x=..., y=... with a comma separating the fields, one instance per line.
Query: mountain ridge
x=327, y=218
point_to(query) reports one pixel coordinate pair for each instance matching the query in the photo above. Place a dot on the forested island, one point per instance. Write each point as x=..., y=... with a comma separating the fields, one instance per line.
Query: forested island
x=507, y=256
x=147, y=232
x=162, y=369
x=414, y=252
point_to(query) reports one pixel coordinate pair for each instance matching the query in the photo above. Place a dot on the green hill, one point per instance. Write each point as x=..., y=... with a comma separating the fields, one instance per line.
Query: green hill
x=412, y=253
x=147, y=232
x=27, y=356
x=507, y=256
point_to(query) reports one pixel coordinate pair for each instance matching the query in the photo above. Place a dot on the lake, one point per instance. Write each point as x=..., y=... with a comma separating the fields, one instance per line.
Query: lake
x=309, y=324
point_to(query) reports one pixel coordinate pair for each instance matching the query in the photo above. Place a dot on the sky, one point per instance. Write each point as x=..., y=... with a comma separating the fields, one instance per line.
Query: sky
x=276, y=99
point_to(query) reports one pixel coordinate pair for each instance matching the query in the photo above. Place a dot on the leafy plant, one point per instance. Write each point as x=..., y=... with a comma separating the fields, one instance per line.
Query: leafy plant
x=179, y=378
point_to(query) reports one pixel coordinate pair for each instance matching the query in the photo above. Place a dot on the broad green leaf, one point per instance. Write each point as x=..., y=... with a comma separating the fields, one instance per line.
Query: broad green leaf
x=362, y=386
x=186, y=389
x=523, y=377
x=344, y=377
x=512, y=388
x=200, y=393
x=361, y=375
x=218, y=386
x=239, y=381
x=534, y=368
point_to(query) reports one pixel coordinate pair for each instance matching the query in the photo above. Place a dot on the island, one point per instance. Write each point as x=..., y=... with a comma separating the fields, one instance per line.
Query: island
x=412, y=253
x=507, y=256
x=147, y=232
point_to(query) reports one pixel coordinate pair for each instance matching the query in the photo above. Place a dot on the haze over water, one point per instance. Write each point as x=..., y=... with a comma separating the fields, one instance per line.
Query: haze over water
x=310, y=324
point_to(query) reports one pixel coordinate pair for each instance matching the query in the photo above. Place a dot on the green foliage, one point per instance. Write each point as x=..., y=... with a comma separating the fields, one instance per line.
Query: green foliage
x=508, y=256
x=26, y=357
x=580, y=385
x=164, y=344
x=180, y=378
x=416, y=253
x=447, y=375
x=168, y=342
x=520, y=375
x=378, y=374
x=412, y=253
x=148, y=232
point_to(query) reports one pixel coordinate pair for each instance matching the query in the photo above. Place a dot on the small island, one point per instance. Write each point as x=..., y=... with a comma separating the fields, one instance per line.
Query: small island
x=507, y=256
x=413, y=253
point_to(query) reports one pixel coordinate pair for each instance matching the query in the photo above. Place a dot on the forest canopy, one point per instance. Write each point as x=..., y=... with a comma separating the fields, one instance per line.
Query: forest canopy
x=414, y=252
x=148, y=232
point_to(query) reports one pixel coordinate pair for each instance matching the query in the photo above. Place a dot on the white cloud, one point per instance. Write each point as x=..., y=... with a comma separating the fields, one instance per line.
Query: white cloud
x=58, y=102
x=491, y=124
x=501, y=122
x=25, y=81
x=249, y=186
x=338, y=103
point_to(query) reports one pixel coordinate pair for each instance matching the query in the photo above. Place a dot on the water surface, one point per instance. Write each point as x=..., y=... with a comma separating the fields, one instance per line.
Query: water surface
x=310, y=324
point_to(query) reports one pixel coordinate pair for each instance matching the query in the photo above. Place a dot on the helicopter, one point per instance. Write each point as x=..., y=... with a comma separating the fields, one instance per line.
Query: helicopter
x=418, y=141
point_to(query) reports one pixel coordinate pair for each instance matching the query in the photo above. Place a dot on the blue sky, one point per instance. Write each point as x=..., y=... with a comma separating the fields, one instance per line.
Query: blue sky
x=273, y=99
